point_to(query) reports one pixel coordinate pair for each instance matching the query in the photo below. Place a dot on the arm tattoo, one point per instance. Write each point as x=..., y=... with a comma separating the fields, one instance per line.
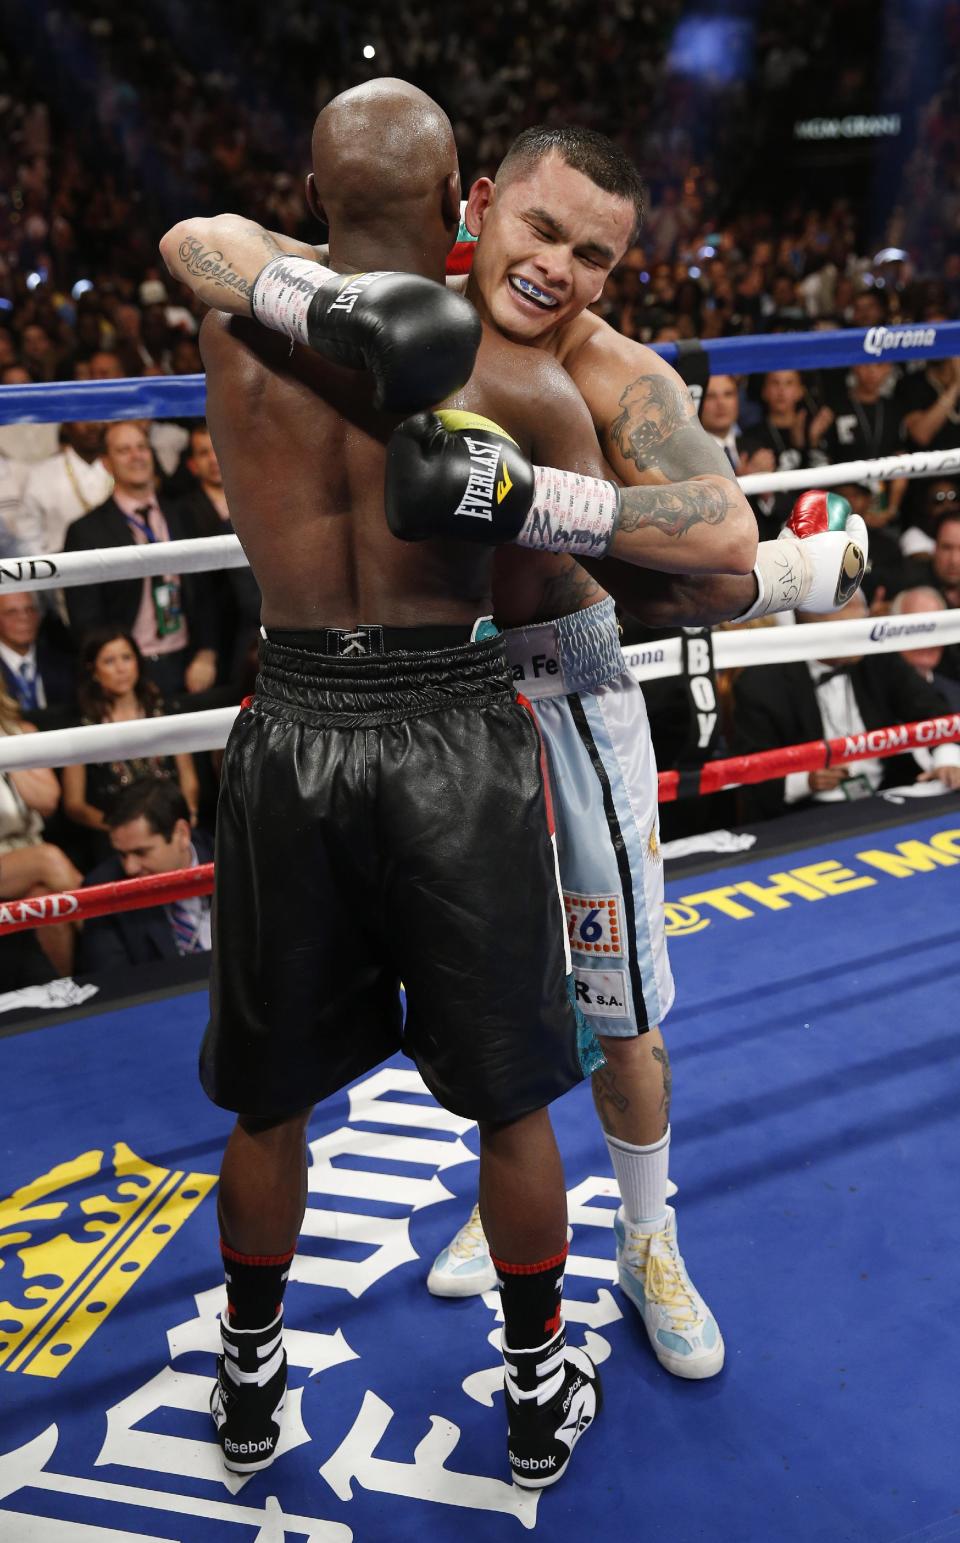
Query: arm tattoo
x=203, y=263
x=660, y=1054
x=569, y=591
x=653, y=408
x=675, y=509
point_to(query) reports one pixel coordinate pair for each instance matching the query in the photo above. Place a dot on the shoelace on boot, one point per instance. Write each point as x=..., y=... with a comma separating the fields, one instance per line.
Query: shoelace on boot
x=663, y=1280
x=471, y=1239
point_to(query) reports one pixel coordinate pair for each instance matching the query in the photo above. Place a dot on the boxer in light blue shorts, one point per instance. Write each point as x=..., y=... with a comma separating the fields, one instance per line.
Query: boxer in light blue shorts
x=603, y=778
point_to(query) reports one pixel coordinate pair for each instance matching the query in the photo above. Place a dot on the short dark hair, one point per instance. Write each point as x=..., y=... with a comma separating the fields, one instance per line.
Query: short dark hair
x=160, y=802
x=593, y=154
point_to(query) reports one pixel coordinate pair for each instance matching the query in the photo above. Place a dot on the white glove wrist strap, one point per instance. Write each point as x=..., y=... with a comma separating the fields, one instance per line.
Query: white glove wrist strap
x=782, y=579
x=570, y=513
x=282, y=293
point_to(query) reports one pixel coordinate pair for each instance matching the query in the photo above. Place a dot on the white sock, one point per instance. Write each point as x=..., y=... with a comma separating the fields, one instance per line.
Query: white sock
x=642, y=1179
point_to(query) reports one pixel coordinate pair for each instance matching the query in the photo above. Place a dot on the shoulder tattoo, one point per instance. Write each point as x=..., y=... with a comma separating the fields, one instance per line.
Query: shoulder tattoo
x=653, y=408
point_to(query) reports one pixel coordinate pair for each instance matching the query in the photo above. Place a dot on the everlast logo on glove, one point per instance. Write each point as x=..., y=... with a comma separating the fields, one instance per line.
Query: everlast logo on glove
x=481, y=488
x=351, y=291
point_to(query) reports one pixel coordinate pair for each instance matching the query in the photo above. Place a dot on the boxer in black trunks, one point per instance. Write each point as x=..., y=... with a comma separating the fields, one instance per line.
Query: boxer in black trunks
x=375, y=793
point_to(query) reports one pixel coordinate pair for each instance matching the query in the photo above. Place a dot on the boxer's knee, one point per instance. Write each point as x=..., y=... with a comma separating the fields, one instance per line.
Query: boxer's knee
x=275, y=1127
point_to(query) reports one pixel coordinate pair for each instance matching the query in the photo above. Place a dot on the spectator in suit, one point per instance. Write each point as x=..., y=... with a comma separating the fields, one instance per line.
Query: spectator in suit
x=29, y=865
x=235, y=590
x=170, y=617
x=32, y=670
x=936, y=664
x=719, y=412
x=115, y=689
x=62, y=488
x=150, y=832
x=776, y=705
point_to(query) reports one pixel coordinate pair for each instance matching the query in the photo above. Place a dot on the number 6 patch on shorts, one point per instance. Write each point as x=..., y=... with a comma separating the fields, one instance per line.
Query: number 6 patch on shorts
x=595, y=924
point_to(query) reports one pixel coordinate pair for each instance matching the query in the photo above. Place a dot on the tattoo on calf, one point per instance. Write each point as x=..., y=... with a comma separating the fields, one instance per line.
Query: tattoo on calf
x=674, y=510
x=204, y=263
x=660, y=1054
x=605, y=1090
x=654, y=407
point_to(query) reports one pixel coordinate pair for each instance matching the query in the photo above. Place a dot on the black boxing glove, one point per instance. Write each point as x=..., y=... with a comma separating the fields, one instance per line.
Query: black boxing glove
x=459, y=477
x=418, y=340
x=456, y=476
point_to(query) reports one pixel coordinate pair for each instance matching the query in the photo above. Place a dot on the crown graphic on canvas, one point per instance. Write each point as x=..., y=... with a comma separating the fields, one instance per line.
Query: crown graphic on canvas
x=72, y=1244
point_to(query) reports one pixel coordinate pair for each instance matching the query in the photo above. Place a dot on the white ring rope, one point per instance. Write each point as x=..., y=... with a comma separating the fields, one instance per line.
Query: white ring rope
x=171, y=735
x=64, y=570
x=814, y=640
x=886, y=468
x=181, y=732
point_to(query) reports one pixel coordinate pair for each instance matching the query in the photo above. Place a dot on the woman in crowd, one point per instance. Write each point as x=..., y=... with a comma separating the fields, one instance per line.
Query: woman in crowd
x=30, y=866
x=114, y=689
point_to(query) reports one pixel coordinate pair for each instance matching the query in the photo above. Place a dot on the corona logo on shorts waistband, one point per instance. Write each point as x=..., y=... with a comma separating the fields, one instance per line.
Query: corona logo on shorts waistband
x=73, y=1242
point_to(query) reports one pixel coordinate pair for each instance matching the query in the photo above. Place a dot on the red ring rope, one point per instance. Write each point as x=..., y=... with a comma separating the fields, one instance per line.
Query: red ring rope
x=187, y=883
x=103, y=899
x=763, y=765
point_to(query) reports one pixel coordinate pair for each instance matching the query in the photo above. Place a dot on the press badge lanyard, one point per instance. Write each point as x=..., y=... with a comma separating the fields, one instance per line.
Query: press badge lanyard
x=165, y=592
x=137, y=523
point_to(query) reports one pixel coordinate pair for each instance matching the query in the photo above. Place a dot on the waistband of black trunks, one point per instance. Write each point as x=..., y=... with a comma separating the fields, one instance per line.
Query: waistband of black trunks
x=323, y=675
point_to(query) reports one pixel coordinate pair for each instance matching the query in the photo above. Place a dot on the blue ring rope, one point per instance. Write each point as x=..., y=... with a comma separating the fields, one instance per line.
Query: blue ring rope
x=184, y=396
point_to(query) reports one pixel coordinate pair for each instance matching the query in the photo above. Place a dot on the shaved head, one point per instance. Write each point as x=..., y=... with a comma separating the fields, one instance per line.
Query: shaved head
x=380, y=146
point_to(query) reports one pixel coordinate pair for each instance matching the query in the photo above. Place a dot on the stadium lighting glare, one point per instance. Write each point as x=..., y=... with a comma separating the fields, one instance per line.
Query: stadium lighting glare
x=81, y=287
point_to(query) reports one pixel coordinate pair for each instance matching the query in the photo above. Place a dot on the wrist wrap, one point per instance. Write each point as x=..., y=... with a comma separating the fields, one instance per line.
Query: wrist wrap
x=570, y=513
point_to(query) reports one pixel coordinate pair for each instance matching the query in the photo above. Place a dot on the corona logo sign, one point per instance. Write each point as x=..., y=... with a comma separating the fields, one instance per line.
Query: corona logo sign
x=73, y=1242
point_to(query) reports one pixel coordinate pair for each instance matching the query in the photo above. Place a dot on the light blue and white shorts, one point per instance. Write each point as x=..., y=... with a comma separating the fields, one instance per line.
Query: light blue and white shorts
x=603, y=777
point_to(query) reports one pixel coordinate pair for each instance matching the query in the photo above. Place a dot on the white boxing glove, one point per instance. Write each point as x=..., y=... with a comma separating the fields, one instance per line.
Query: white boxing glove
x=817, y=562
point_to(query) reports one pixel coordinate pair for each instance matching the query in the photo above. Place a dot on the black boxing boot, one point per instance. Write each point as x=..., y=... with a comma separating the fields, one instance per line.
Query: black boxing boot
x=553, y=1396
x=248, y=1395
